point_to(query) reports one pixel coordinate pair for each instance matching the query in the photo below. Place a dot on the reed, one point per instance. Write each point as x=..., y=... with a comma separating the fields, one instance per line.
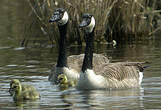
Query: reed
x=118, y=20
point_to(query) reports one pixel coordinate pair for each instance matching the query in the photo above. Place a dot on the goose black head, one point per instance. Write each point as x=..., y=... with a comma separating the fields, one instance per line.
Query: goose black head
x=60, y=16
x=88, y=22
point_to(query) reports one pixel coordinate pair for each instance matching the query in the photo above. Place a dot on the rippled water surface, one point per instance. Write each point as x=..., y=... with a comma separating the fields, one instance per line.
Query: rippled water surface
x=32, y=65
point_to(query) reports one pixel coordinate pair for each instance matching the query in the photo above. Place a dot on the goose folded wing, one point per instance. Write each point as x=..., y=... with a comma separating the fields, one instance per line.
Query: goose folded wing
x=76, y=61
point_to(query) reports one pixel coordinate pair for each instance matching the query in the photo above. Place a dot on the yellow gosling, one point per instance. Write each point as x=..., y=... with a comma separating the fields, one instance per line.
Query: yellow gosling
x=64, y=83
x=24, y=86
x=19, y=95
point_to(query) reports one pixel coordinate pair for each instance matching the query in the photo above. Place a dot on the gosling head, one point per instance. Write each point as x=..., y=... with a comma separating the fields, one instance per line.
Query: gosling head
x=13, y=84
x=62, y=79
x=60, y=16
x=88, y=23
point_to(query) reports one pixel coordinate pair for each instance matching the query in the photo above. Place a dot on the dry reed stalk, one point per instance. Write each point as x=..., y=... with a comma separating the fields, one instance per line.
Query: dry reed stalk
x=115, y=19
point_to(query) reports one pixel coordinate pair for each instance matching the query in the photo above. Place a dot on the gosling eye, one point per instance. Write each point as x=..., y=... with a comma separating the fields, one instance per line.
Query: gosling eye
x=60, y=79
x=15, y=87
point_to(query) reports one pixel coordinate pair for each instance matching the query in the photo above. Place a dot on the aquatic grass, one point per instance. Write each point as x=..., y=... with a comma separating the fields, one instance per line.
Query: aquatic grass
x=120, y=20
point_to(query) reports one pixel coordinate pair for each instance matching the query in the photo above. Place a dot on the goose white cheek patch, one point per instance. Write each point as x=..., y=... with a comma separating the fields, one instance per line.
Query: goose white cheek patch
x=64, y=19
x=90, y=27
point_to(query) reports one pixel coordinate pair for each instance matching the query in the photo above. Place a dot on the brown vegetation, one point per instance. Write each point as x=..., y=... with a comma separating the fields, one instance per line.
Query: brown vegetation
x=115, y=19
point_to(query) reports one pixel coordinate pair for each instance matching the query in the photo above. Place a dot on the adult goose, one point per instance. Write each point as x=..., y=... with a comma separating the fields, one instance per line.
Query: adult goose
x=112, y=75
x=70, y=66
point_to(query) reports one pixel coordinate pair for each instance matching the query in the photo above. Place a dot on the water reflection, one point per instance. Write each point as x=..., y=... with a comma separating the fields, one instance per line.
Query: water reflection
x=99, y=99
x=32, y=66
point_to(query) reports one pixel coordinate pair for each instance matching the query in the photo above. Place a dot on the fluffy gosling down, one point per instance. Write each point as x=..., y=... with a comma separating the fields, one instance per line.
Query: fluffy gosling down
x=26, y=94
x=24, y=86
x=64, y=82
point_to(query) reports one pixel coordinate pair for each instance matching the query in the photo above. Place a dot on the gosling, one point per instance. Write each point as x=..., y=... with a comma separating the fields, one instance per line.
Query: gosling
x=19, y=95
x=24, y=86
x=64, y=83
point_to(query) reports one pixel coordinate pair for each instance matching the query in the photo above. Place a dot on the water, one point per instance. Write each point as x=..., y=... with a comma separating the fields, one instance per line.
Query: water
x=33, y=64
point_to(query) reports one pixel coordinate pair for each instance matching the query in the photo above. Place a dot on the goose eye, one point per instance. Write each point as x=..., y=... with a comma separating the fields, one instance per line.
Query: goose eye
x=61, y=15
x=88, y=20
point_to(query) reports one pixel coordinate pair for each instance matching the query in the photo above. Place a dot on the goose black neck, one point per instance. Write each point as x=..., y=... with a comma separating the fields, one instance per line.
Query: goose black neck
x=87, y=62
x=62, y=58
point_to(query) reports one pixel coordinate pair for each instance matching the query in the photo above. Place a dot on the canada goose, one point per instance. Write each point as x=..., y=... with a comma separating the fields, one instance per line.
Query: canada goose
x=111, y=75
x=70, y=66
x=19, y=95
x=24, y=86
x=64, y=83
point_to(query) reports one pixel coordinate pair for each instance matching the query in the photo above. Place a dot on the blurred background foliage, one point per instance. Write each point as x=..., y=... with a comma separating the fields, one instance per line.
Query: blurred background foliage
x=119, y=20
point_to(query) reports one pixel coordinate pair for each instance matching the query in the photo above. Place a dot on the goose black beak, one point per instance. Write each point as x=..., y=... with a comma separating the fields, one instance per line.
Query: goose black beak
x=56, y=17
x=83, y=24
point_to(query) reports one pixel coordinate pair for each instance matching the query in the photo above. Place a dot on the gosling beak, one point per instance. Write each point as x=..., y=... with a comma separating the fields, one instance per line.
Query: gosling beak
x=56, y=17
x=83, y=24
x=60, y=80
x=10, y=90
